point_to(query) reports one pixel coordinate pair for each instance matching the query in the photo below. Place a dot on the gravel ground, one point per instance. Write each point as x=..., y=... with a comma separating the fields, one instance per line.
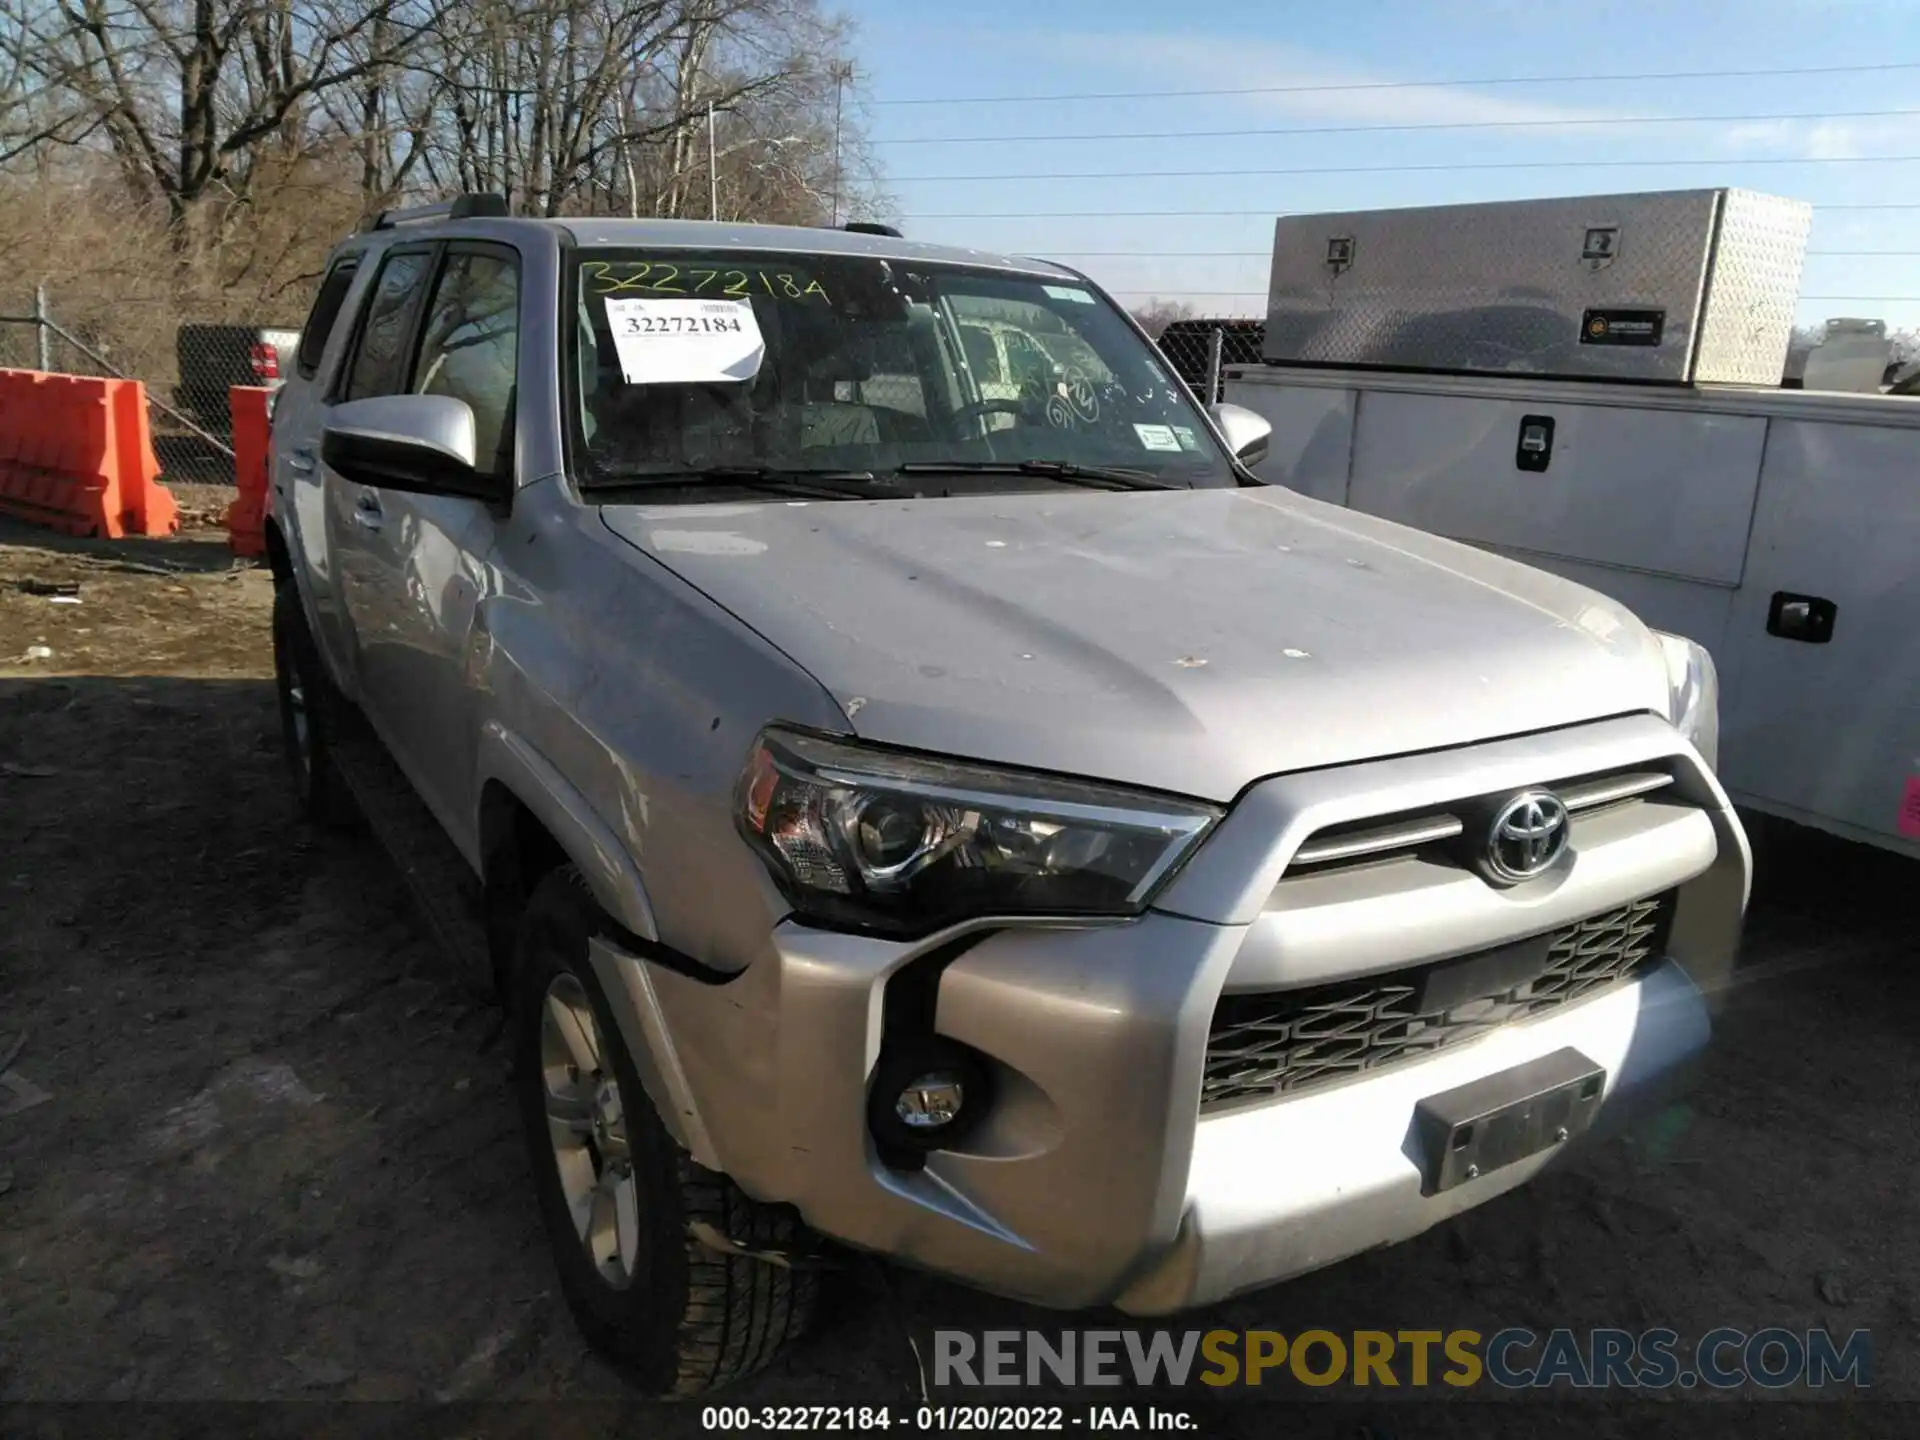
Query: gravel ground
x=270, y=1153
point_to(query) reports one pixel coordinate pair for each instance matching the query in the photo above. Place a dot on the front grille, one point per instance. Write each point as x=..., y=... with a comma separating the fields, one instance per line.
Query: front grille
x=1380, y=837
x=1266, y=1045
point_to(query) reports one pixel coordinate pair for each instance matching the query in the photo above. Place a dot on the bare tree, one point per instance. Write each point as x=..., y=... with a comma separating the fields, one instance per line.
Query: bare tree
x=1156, y=314
x=605, y=104
x=613, y=104
x=188, y=94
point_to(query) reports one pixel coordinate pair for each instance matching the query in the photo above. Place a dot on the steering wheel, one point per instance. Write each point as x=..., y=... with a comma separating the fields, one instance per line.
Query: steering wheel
x=980, y=409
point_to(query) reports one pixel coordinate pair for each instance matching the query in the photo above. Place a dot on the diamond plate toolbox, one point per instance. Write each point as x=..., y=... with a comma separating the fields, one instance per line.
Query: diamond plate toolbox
x=1678, y=287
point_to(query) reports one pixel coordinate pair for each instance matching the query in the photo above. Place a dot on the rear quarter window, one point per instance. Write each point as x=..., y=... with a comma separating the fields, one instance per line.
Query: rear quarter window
x=326, y=310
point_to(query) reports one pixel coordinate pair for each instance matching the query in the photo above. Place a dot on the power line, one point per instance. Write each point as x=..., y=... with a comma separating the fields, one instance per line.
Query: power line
x=1262, y=295
x=1397, y=129
x=1447, y=166
x=1268, y=254
x=1264, y=211
x=1099, y=214
x=1360, y=86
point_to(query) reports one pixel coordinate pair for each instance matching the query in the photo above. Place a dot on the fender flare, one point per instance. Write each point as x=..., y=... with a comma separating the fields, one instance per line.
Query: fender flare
x=619, y=891
x=555, y=803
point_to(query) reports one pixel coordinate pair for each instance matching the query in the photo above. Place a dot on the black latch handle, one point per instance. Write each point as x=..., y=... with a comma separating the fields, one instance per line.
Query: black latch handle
x=1533, y=448
x=1806, y=618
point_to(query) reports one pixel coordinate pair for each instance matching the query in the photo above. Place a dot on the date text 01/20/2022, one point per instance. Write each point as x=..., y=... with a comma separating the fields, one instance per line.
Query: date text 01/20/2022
x=934, y=1419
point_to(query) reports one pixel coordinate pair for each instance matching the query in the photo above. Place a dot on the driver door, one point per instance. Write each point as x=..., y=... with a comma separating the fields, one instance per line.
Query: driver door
x=412, y=589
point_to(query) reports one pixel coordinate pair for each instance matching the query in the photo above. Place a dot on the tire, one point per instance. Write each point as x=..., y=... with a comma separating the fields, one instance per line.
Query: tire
x=681, y=1318
x=309, y=716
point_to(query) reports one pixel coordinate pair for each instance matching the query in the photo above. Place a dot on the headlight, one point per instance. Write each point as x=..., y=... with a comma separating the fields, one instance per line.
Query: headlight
x=1693, y=694
x=870, y=839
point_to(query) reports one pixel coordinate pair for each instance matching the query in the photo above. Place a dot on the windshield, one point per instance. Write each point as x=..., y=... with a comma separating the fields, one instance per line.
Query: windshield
x=687, y=362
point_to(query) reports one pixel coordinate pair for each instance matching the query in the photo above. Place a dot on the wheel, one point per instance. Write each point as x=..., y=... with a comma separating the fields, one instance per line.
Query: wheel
x=620, y=1200
x=308, y=711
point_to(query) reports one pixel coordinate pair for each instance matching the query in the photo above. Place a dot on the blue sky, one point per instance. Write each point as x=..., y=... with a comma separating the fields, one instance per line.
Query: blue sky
x=1429, y=64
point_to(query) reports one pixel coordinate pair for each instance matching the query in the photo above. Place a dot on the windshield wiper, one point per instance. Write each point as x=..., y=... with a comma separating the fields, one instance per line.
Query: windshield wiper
x=781, y=479
x=1099, y=476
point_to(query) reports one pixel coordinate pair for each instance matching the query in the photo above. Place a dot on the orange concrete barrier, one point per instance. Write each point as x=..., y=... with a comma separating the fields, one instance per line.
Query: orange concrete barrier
x=246, y=517
x=76, y=455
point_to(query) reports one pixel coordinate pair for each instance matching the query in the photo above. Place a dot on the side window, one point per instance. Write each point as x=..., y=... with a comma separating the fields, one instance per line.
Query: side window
x=983, y=357
x=326, y=310
x=469, y=343
x=380, y=361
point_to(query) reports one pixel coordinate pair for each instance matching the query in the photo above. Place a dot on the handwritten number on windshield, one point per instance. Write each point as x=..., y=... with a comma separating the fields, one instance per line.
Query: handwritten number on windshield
x=662, y=278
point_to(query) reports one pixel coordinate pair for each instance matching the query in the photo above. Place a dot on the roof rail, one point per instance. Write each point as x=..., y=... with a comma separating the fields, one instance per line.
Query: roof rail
x=463, y=207
x=871, y=227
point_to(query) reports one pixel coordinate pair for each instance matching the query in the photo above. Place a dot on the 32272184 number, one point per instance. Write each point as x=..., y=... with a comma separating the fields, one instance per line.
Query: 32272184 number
x=680, y=324
x=660, y=277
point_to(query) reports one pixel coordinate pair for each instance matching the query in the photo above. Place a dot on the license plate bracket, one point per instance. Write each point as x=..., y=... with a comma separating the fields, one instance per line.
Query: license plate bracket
x=1501, y=1119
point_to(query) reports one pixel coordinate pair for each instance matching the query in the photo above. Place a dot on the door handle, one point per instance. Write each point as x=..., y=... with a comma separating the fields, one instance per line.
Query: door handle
x=1806, y=618
x=301, y=460
x=367, y=512
x=1534, y=449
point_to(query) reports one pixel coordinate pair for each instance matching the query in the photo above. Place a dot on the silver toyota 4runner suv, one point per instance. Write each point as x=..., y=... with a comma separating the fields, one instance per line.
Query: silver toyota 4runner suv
x=929, y=797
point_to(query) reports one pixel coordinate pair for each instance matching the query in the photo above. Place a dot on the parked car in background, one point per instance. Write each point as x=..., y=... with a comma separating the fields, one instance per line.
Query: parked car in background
x=214, y=358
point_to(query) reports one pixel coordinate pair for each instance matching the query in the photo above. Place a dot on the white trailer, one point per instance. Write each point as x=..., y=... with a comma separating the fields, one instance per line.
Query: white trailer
x=1779, y=528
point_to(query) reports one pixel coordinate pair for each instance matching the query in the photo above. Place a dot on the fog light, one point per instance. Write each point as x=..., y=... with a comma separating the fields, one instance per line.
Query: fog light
x=931, y=1102
x=927, y=1093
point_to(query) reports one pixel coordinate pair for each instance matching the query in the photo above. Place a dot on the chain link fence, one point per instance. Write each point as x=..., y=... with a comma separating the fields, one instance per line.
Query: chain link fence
x=1201, y=351
x=187, y=368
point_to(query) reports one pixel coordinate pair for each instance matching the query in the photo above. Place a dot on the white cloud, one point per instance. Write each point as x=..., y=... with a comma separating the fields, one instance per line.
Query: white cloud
x=1837, y=139
x=1206, y=63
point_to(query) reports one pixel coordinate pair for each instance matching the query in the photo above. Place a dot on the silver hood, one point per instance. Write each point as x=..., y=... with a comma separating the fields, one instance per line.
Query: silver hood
x=1191, y=641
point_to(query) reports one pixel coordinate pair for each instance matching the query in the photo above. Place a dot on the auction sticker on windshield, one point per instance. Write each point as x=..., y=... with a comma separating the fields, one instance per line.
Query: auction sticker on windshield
x=1157, y=437
x=686, y=342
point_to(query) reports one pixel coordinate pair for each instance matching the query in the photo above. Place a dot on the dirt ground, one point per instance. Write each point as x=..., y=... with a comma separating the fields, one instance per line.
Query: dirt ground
x=257, y=1149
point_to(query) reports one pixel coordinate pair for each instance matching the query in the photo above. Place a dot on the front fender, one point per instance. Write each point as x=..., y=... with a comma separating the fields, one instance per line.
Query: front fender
x=511, y=760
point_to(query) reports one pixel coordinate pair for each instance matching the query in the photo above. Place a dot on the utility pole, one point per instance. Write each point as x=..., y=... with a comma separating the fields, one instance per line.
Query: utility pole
x=713, y=169
x=842, y=73
x=40, y=321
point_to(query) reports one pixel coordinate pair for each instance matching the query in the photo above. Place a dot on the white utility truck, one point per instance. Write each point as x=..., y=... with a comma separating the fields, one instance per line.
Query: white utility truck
x=1592, y=385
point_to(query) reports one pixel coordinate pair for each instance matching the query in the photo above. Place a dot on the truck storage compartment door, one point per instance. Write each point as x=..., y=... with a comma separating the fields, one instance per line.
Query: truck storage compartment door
x=1666, y=492
x=1312, y=444
x=1820, y=719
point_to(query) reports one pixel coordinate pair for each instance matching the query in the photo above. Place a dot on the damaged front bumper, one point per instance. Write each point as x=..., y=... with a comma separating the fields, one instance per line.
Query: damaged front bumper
x=1098, y=1176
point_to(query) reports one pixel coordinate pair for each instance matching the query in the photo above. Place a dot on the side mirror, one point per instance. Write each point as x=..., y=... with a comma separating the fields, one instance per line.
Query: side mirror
x=423, y=444
x=1246, y=433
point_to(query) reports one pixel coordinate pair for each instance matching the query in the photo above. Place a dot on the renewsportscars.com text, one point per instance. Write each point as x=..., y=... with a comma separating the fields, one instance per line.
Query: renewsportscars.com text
x=1511, y=1358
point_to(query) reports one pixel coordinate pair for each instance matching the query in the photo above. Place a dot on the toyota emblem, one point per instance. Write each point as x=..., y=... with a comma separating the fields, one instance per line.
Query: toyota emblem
x=1528, y=834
